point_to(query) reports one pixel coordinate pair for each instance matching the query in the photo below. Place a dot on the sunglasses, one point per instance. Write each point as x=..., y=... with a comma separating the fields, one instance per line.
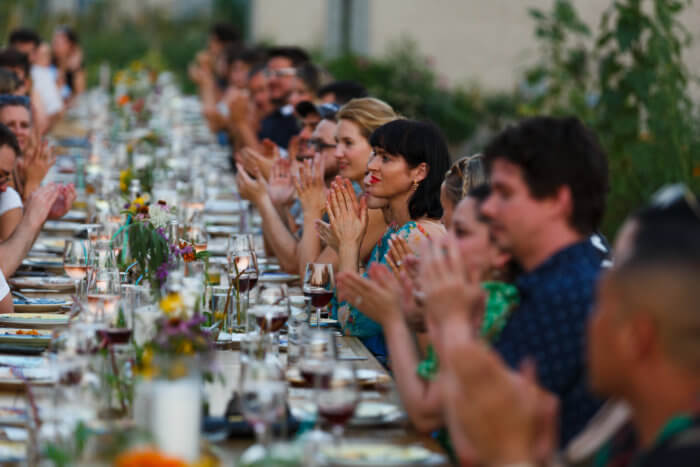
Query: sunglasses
x=280, y=73
x=671, y=194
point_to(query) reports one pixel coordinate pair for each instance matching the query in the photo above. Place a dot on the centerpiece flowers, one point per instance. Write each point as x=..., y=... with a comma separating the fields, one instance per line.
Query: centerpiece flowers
x=179, y=336
x=153, y=241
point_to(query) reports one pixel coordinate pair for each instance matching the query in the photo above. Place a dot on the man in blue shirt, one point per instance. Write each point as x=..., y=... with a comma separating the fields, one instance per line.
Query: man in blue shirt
x=549, y=180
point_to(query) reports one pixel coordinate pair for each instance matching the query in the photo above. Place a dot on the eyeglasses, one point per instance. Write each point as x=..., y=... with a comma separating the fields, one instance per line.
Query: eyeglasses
x=670, y=194
x=280, y=72
x=319, y=145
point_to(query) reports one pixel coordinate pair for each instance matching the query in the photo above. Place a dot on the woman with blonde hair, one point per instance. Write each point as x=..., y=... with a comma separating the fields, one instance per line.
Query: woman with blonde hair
x=356, y=121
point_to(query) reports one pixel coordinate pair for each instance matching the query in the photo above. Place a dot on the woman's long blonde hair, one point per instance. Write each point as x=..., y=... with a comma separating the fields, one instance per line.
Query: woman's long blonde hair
x=367, y=113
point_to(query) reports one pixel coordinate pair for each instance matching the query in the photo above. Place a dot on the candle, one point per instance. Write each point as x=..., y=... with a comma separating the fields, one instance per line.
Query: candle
x=176, y=411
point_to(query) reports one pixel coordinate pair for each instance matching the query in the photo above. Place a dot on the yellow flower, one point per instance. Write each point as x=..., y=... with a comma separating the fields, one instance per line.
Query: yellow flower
x=171, y=303
x=186, y=348
x=140, y=201
x=124, y=179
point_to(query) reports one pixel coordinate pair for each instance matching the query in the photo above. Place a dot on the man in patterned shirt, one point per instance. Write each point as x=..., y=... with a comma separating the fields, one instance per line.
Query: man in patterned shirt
x=549, y=180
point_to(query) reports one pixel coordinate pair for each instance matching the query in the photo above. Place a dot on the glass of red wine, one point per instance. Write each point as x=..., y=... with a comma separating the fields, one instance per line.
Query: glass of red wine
x=271, y=310
x=315, y=366
x=319, y=285
x=76, y=256
x=338, y=398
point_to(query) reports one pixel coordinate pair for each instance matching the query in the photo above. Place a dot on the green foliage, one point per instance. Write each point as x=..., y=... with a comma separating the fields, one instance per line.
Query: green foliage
x=637, y=100
x=149, y=249
x=405, y=80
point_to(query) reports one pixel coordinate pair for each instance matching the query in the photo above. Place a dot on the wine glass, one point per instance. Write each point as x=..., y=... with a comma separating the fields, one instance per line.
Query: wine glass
x=271, y=312
x=198, y=236
x=103, y=297
x=319, y=285
x=263, y=392
x=338, y=398
x=272, y=307
x=243, y=266
x=76, y=255
x=315, y=365
x=102, y=257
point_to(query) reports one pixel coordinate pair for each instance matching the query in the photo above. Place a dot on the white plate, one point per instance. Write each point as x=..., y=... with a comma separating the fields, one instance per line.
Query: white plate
x=74, y=215
x=222, y=219
x=33, y=319
x=223, y=206
x=9, y=335
x=278, y=277
x=50, y=283
x=368, y=454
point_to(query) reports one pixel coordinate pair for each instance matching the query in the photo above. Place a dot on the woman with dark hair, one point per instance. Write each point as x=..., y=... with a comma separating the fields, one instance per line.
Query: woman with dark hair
x=406, y=170
x=68, y=60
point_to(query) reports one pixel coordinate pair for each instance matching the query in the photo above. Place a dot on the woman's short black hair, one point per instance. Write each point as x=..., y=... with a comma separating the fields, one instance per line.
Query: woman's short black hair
x=417, y=142
x=555, y=152
x=7, y=138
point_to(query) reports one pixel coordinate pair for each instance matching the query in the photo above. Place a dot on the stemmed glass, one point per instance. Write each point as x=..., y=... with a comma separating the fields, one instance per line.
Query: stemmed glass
x=319, y=286
x=103, y=297
x=263, y=393
x=316, y=365
x=76, y=255
x=271, y=311
x=243, y=266
x=338, y=398
x=198, y=236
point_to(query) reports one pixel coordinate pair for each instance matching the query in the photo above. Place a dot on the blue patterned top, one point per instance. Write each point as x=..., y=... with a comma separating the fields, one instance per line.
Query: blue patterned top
x=549, y=326
x=353, y=321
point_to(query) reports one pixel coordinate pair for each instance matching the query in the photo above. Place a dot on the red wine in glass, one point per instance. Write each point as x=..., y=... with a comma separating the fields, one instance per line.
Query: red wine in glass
x=277, y=318
x=337, y=415
x=316, y=377
x=114, y=335
x=320, y=297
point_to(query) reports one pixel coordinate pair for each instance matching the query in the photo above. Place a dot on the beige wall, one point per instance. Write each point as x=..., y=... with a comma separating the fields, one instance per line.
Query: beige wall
x=483, y=41
x=289, y=22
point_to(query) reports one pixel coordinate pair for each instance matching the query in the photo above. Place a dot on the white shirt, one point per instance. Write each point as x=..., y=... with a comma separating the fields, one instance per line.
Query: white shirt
x=45, y=82
x=9, y=199
x=4, y=288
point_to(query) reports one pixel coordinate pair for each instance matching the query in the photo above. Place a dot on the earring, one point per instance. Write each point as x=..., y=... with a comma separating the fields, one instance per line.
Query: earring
x=414, y=187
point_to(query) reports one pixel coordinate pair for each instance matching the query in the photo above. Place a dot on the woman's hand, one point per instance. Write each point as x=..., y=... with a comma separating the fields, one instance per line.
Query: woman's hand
x=447, y=291
x=34, y=165
x=281, y=186
x=310, y=187
x=251, y=158
x=252, y=189
x=397, y=254
x=64, y=201
x=379, y=298
x=348, y=218
x=327, y=236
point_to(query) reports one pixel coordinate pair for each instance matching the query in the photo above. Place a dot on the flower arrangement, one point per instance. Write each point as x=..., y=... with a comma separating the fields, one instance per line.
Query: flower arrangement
x=178, y=335
x=156, y=251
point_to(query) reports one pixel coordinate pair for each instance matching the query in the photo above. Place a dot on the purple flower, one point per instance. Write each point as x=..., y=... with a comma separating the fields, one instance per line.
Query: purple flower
x=162, y=272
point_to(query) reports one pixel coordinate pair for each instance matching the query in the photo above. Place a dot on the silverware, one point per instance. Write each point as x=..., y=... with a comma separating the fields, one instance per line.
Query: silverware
x=352, y=358
x=21, y=296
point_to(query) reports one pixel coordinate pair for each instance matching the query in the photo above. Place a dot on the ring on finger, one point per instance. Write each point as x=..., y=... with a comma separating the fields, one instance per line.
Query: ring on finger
x=358, y=301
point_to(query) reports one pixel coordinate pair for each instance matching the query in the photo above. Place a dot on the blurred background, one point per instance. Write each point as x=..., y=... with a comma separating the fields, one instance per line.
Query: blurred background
x=628, y=68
